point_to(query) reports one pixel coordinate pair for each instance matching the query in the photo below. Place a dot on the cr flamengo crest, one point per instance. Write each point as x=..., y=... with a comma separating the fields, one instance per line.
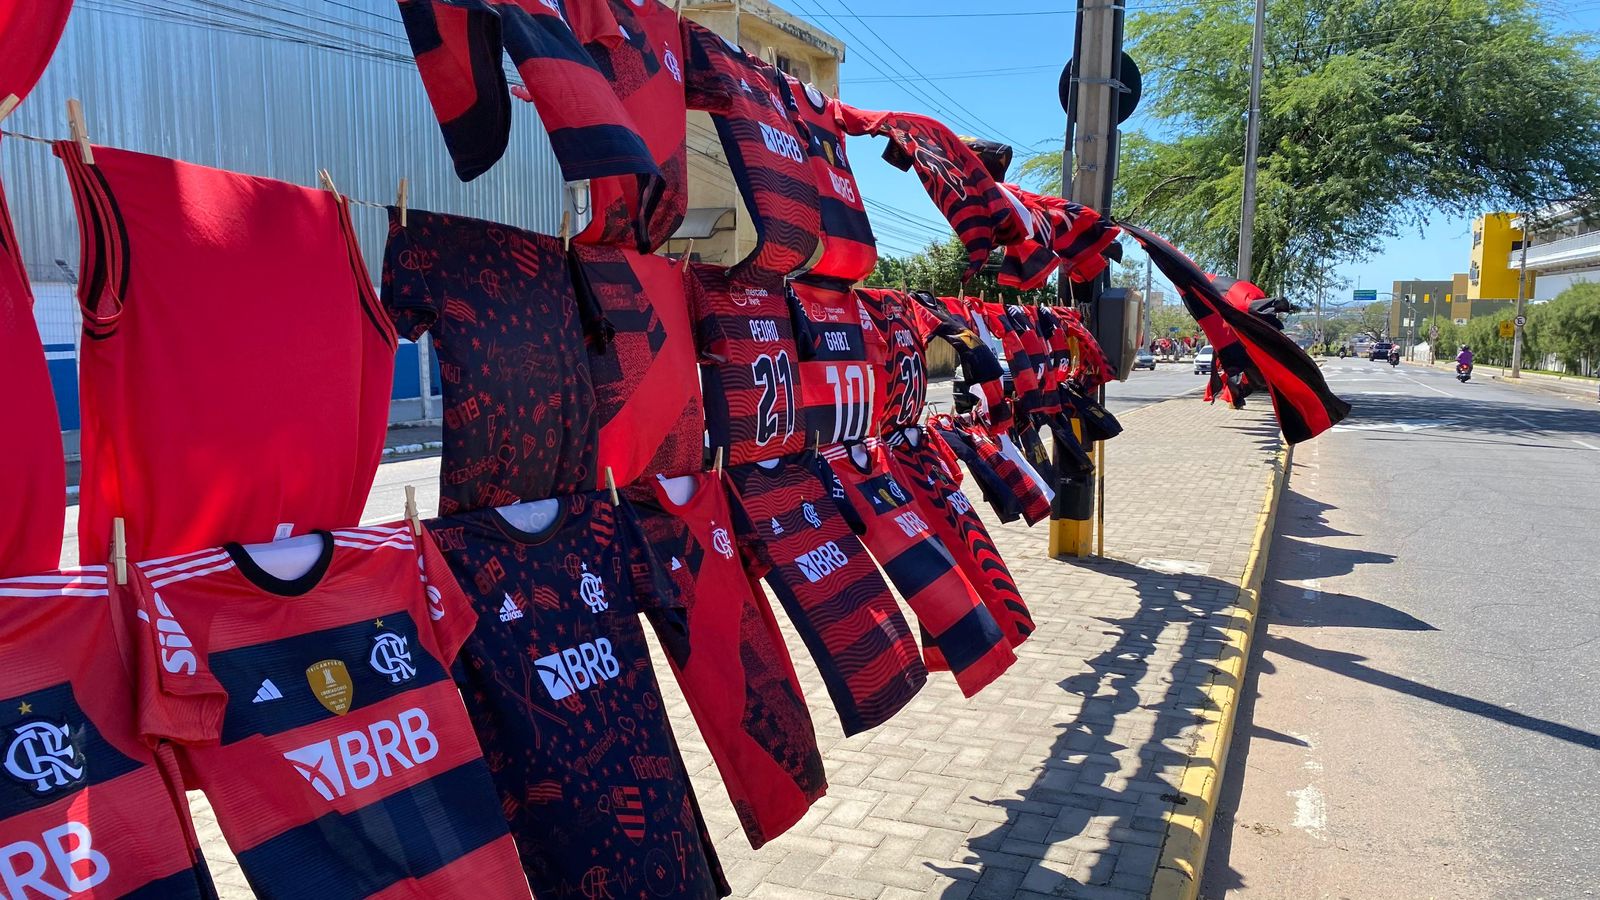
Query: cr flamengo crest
x=41, y=753
x=593, y=591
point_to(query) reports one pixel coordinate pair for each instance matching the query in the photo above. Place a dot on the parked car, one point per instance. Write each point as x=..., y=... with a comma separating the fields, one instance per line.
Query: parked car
x=1381, y=350
x=1144, y=359
x=1202, y=360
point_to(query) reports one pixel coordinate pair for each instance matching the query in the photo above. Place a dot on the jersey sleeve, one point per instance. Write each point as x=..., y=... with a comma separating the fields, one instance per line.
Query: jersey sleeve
x=754, y=552
x=705, y=87
x=594, y=23
x=458, y=47
x=652, y=588
x=179, y=699
x=408, y=298
x=451, y=613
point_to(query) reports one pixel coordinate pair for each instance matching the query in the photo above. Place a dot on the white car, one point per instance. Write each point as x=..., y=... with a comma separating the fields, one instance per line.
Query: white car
x=1202, y=360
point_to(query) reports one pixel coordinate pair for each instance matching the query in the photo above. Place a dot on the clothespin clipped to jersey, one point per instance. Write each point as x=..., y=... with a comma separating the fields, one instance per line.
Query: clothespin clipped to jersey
x=687, y=252
x=400, y=199
x=566, y=230
x=10, y=103
x=79, y=130
x=611, y=484
x=119, y=550
x=816, y=442
x=327, y=183
x=716, y=466
x=411, y=511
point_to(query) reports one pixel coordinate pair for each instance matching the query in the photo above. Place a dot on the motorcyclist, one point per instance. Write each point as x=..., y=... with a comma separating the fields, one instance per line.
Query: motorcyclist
x=1464, y=359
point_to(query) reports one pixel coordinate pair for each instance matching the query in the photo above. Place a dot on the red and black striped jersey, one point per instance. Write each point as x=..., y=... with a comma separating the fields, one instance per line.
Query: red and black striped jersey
x=1090, y=369
x=1035, y=505
x=734, y=668
x=756, y=119
x=902, y=327
x=849, y=250
x=343, y=763
x=980, y=367
x=1077, y=235
x=920, y=468
x=836, y=599
x=953, y=446
x=88, y=807
x=954, y=177
x=750, y=365
x=459, y=44
x=646, y=389
x=1024, y=378
x=838, y=376
x=646, y=70
x=952, y=615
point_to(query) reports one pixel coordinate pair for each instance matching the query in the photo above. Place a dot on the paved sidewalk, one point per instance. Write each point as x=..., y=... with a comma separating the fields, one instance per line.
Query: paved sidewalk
x=1054, y=782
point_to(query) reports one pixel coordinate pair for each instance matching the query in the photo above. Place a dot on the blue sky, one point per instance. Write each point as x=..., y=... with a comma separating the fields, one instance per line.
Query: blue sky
x=992, y=69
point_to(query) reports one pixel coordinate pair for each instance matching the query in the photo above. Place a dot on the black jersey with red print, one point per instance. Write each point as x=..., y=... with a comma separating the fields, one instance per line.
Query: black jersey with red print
x=920, y=468
x=849, y=250
x=458, y=45
x=750, y=365
x=735, y=671
x=952, y=615
x=954, y=177
x=838, y=380
x=756, y=119
x=504, y=310
x=901, y=328
x=646, y=70
x=558, y=680
x=793, y=534
x=647, y=395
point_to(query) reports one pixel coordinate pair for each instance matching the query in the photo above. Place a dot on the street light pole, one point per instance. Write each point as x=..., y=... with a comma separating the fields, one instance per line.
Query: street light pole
x=1252, y=143
x=1522, y=297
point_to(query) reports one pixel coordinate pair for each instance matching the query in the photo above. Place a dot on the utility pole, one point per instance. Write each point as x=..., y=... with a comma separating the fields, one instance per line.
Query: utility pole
x=1252, y=143
x=1522, y=297
x=1149, y=275
x=1088, y=166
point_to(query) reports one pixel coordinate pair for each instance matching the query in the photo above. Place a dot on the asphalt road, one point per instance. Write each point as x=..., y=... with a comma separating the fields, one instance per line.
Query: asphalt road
x=1423, y=714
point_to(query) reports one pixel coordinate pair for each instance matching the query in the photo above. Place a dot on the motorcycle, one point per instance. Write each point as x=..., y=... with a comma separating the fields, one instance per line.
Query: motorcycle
x=1394, y=358
x=1463, y=373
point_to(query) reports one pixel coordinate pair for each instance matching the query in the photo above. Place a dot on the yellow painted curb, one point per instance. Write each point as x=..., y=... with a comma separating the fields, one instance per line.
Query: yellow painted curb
x=1183, y=848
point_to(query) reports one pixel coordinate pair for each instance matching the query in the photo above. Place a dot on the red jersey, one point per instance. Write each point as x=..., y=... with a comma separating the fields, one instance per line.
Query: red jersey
x=647, y=395
x=838, y=370
x=849, y=250
x=645, y=68
x=750, y=105
x=194, y=430
x=1024, y=378
x=343, y=763
x=734, y=668
x=750, y=365
x=835, y=597
x=948, y=608
x=35, y=485
x=1035, y=506
x=901, y=328
x=459, y=45
x=89, y=808
x=953, y=445
x=29, y=30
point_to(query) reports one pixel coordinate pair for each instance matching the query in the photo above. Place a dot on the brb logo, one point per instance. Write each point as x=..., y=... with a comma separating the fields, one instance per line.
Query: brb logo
x=42, y=754
x=820, y=563
x=357, y=759
x=390, y=657
x=785, y=145
x=67, y=848
x=577, y=668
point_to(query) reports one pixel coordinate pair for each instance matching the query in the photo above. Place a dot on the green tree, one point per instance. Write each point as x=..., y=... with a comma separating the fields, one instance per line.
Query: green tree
x=937, y=269
x=1374, y=319
x=1376, y=113
x=1166, y=317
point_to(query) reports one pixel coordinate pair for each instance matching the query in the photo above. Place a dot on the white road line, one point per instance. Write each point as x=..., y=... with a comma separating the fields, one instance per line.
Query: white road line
x=1583, y=444
x=1523, y=421
x=1429, y=387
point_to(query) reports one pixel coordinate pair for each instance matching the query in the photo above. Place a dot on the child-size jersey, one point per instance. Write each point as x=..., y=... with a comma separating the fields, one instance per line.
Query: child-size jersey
x=343, y=764
x=849, y=250
x=458, y=45
x=755, y=119
x=980, y=368
x=29, y=30
x=1024, y=378
x=1035, y=505
x=953, y=446
x=901, y=329
x=839, y=370
x=35, y=485
x=558, y=678
x=646, y=70
x=646, y=382
x=749, y=365
x=87, y=806
x=919, y=468
x=834, y=596
x=196, y=428
x=952, y=615
x=508, y=319
x=734, y=668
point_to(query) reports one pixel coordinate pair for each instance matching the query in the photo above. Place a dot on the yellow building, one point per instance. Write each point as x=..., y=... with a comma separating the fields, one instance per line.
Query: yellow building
x=717, y=221
x=1491, y=276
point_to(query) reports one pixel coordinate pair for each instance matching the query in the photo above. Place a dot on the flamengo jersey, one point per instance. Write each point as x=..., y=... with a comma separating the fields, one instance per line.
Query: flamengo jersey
x=35, y=482
x=86, y=807
x=647, y=395
x=749, y=103
x=734, y=669
x=29, y=30
x=892, y=526
x=458, y=46
x=838, y=381
x=192, y=431
x=750, y=365
x=646, y=70
x=343, y=764
x=835, y=597
x=901, y=330
x=849, y=251
x=505, y=311
x=558, y=678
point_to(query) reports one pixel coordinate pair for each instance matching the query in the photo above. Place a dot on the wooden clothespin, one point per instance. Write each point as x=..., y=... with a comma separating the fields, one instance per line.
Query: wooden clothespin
x=79, y=130
x=411, y=510
x=405, y=191
x=8, y=104
x=119, y=550
x=566, y=230
x=327, y=182
x=816, y=442
x=611, y=483
x=687, y=252
x=716, y=465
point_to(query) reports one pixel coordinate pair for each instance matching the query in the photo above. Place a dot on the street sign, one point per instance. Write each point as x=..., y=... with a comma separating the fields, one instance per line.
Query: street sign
x=1507, y=329
x=1172, y=330
x=1364, y=296
x=1433, y=333
x=1521, y=321
x=1132, y=89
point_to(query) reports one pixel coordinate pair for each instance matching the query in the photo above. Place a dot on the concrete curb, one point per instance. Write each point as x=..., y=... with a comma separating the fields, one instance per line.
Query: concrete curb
x=1188, y=825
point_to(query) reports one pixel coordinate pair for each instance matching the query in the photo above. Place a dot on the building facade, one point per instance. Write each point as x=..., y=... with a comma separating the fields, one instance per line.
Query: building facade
x=1414, y=303
x=1496, y=237
x=1563, y=250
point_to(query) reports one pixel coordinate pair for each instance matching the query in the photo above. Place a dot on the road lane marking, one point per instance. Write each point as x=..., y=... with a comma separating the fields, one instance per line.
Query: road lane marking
x=1585, y=445
x=1311, y=811
x=1523, y=421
